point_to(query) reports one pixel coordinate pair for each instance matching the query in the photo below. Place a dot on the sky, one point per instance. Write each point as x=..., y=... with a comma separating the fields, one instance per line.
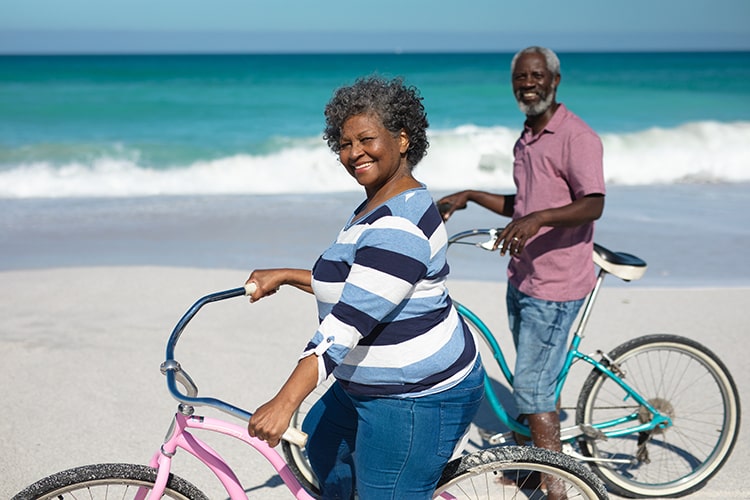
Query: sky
x=301, y=26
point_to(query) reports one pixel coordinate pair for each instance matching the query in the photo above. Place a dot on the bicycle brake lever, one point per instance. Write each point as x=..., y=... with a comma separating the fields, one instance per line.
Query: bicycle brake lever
x=489, y=244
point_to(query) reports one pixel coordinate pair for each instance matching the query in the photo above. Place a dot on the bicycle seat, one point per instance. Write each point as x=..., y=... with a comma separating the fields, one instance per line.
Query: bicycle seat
x=625, y=266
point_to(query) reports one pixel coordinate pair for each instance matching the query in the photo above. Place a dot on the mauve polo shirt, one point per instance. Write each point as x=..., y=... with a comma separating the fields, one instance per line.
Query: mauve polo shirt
x=551, y=169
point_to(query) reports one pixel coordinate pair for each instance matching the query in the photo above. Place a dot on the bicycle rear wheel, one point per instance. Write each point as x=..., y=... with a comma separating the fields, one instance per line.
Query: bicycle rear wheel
x=296, y=457
x=107, y=481
x=681, y=378
x=514, y=472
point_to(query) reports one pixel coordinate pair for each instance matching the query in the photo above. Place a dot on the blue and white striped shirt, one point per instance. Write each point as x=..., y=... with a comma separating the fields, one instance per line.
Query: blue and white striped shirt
x=387, y=324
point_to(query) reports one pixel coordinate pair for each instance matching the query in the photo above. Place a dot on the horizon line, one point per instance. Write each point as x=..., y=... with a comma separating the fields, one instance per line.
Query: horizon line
x=95, y=42
x=373, y=52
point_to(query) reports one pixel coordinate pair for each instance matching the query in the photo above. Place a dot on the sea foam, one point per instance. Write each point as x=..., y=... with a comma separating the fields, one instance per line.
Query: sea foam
x=464, y=157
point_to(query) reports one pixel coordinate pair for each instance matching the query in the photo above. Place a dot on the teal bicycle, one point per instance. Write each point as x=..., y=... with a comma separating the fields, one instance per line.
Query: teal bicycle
x=657, y=416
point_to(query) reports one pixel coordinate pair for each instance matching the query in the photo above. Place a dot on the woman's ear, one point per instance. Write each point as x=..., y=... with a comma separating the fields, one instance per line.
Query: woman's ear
x=403, y=138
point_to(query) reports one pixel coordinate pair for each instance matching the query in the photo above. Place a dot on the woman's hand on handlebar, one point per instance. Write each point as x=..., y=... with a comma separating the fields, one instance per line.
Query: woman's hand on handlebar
x=268, y=281
x=270, y=420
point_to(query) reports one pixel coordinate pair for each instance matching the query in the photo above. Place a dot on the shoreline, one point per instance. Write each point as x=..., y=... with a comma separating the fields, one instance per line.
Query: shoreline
x=683, y=247
x=80, y=350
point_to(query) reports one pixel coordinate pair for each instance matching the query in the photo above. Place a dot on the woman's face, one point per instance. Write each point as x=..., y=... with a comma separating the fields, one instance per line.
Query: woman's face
x=370, y=153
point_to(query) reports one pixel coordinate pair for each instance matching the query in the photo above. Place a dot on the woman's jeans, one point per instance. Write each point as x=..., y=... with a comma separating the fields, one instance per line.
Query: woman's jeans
x=387, y=447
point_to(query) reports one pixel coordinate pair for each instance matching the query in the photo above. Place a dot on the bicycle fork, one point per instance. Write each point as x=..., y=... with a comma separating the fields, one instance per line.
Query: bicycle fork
x=179, y=437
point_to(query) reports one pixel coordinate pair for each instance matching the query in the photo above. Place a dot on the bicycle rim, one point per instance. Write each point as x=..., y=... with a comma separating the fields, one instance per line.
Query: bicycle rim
x=682, y=379
x=517, y=472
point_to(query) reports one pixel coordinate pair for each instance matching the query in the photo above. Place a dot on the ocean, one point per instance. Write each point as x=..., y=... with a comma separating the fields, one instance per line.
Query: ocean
x=218, y=160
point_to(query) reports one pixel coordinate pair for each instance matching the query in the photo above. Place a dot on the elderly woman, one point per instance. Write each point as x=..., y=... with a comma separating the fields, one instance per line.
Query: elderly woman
x=408, y=379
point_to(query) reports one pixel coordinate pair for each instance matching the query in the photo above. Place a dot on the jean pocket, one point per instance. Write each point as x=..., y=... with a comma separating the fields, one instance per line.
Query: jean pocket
x=455, y=418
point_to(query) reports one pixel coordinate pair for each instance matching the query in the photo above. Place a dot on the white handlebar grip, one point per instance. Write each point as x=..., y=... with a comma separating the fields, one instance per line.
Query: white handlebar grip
x=250, y=288
x=295, y=436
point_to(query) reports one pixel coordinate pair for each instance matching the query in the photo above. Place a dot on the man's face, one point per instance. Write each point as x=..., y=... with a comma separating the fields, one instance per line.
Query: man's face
x=533, y=85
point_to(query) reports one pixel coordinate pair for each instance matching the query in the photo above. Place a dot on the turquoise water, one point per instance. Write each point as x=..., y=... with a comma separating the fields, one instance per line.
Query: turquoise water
x=149, y=125
x=218, y=161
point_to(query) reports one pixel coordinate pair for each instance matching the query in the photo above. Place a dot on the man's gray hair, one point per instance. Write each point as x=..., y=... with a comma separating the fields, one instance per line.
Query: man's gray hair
x=553, y=63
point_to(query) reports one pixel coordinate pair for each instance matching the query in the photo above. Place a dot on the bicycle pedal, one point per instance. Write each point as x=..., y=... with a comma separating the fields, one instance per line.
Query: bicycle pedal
x=496, y=438
x=501, y=438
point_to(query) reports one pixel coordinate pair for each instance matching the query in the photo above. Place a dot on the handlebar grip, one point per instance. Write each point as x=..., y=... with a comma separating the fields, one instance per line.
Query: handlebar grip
x=295, y=436
x=250, y=288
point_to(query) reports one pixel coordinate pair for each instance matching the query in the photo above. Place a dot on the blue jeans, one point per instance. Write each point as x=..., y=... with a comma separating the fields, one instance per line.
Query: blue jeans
x=387, y=447
x=540, y=333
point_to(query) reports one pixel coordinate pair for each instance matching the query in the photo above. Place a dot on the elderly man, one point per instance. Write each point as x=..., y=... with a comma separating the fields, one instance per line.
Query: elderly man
x=560, y=191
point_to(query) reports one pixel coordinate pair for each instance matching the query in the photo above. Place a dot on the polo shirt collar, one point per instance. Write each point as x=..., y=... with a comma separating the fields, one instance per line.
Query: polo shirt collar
x=554, y=122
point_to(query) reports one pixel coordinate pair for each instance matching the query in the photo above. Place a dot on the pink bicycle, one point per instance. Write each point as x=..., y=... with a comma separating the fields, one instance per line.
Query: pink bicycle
x=489, y=473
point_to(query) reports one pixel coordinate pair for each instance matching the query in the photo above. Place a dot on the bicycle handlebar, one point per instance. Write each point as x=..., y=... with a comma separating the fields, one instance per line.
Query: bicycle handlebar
x=625, y=266
x=493, y=233
x=176, y=375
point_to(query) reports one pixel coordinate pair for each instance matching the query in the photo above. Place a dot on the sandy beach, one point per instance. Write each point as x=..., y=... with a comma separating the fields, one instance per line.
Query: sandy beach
x=80, y=350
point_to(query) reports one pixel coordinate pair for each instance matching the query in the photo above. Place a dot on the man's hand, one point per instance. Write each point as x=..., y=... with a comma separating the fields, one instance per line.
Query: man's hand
x=449, y=204
x=514, y=236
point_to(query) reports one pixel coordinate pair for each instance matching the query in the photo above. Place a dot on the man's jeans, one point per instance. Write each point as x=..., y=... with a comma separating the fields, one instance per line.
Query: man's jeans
x=540, y=333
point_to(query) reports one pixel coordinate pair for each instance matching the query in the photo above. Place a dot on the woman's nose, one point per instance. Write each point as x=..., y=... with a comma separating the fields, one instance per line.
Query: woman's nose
x=356, y=149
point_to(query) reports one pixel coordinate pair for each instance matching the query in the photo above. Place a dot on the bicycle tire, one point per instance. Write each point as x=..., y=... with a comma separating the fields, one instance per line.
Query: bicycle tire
x=687, y=381
x=503, y=472
x=296, y=456
x=101, y=481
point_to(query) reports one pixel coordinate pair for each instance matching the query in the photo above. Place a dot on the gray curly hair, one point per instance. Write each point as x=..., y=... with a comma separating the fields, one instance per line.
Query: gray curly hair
x=397, y=105
x=553, y=62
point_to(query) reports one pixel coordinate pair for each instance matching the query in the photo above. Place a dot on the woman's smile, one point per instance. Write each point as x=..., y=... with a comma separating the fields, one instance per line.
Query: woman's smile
x=363, y=166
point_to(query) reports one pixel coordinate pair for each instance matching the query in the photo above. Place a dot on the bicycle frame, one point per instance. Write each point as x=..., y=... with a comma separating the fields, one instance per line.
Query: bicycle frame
x=658, y=420
x=180, y=437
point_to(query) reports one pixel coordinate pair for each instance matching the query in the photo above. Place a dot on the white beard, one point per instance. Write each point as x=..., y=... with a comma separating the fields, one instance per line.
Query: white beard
x=538, y=108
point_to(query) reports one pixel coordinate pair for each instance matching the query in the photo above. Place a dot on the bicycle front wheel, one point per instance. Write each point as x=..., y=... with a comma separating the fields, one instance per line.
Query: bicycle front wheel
x=680, y=378
x=107, y=481
x=518, y=472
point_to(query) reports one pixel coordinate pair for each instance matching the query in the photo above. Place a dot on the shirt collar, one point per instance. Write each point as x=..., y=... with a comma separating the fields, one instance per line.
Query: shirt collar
x=554, y=122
